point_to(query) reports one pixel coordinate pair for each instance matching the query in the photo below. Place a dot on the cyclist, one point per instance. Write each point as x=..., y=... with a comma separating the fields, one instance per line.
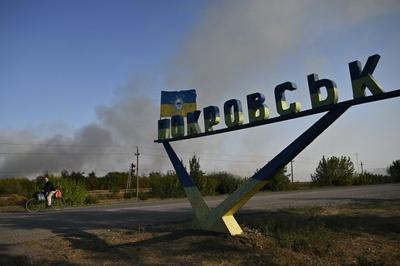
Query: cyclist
x=49, y=191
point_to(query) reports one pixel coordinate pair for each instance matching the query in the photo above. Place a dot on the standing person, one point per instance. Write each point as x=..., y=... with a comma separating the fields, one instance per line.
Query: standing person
x=49, y=190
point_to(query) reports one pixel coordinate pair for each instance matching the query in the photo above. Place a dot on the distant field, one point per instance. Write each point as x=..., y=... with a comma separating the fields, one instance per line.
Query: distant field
x=362, y=233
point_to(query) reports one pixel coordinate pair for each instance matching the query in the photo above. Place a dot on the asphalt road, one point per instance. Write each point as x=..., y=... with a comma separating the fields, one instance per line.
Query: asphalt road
x=20, y=227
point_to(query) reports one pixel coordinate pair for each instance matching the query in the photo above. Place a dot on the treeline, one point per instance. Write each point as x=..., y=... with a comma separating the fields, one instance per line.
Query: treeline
x=160, y=185
x=339, y=171
x=76, y=185
x=332, y=171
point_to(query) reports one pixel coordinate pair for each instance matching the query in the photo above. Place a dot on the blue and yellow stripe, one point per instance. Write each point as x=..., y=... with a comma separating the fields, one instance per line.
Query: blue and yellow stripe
x=177, y=102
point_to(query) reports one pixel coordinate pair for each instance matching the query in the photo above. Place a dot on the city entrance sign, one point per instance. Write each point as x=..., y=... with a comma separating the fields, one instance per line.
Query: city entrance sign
x=258, y=113
x=171, y=129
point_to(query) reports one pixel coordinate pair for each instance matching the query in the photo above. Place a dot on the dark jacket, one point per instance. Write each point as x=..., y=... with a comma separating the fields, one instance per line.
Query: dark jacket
x=48, y=187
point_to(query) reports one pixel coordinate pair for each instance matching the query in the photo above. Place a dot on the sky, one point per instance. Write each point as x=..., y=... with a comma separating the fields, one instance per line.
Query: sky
x=80, y=81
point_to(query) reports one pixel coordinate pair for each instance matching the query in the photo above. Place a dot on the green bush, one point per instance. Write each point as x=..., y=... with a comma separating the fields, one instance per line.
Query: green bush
x=280, y=182
x=128, y=195
x=74, y=192
x=333, y=171
x=225, y=183
x=368, y=178
x=91, y=199
x=13, y=200
x=394, y=171
x=144, y=196
x=17, y=200
x=115, y=190
x=166, y=186
x=20, y=186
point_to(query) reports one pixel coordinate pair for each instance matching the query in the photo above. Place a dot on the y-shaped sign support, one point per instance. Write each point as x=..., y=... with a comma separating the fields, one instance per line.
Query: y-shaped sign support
x=220, y=219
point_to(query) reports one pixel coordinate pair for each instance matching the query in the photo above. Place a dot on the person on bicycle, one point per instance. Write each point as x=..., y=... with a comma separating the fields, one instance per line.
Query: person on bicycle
x=49, y=191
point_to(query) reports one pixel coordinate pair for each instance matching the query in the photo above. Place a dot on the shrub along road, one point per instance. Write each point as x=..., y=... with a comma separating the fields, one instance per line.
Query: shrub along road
x=21, y=227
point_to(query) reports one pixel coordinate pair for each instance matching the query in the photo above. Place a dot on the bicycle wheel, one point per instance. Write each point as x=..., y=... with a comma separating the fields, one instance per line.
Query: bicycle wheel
x=58, y=204
x=34, y=205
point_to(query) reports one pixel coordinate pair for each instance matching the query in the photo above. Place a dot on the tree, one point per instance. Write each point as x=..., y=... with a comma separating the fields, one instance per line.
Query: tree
x=279, y=182
x=165, y=186
x=20, y=186
x=64, y=173
x=77, y=176
x=195, y=172
x=132, y=170
x=226, y=183
x=115, y=181
x=91, y=181
x=194, y=165
x=205, y=185
x=334, y=171
x=394, y=171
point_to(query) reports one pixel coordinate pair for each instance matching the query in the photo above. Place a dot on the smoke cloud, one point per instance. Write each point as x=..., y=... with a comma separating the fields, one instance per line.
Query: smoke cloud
x=238, y=42
x=84, y=150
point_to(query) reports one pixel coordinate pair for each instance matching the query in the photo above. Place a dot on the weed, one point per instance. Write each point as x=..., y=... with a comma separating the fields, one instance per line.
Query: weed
x=363, y=261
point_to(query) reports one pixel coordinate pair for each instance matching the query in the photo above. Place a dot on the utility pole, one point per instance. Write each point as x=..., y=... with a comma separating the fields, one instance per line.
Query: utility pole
x=137, y=171
x=362, y=168
x=291, y=169
x=358, y=166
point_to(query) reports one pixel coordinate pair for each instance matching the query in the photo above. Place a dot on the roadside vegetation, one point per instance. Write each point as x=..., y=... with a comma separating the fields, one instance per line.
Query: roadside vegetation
x=339, y=171
x=360, y=233
x=81, y=189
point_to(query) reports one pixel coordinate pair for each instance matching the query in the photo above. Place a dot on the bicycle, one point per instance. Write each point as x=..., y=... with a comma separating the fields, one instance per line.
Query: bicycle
x=39, y=202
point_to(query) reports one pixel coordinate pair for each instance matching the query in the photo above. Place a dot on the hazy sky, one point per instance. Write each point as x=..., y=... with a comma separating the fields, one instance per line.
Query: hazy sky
x=80, y=81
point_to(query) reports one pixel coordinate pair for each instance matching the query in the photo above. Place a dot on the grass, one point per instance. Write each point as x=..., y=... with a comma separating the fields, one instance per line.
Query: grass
x=354, y=234
x=362, y=233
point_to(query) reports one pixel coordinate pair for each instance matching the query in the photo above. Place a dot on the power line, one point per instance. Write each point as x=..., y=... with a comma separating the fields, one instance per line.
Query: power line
x=61, y=153
x=59, y=145
x=207, y=158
